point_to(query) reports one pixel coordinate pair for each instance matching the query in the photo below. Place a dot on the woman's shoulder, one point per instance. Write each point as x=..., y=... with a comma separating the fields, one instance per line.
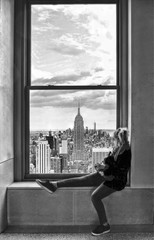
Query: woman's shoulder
x=125, y=148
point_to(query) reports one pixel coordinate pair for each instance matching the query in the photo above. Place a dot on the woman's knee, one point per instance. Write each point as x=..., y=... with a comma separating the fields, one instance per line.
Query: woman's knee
x=95, y=197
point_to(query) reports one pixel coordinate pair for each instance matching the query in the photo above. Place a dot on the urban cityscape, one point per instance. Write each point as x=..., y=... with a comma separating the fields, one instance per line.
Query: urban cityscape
x=74, y=151
x=72, y=45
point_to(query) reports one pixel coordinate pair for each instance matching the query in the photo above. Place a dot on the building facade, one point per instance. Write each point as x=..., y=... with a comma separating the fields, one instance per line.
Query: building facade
x=78, y=148
x=43, y=157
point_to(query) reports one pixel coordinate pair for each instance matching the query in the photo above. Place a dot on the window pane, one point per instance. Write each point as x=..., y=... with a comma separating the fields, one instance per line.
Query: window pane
x=70, y=130
x=73, y=44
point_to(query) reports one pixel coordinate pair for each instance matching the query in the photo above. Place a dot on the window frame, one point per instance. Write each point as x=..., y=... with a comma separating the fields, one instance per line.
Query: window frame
x=22, y=64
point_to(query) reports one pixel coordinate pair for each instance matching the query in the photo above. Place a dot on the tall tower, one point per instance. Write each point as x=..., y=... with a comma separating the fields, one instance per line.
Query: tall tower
x=43, y=157
x=94, y=126
x=78, y=149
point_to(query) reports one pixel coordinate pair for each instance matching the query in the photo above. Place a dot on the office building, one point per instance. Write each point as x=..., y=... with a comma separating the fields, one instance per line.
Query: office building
x=78, y=148
x=42, y=157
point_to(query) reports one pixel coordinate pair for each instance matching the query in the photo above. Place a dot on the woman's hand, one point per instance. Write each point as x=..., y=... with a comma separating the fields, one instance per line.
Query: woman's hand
x=109, y=178
x=101, y=166
x=97, y=166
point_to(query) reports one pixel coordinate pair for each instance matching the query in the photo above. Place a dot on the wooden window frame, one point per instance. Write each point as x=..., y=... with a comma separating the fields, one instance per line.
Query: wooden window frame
x=22, y=73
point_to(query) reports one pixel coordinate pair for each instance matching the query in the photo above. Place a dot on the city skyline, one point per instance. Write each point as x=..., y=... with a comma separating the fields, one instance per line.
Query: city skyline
x=52, y=109
x=70, y=151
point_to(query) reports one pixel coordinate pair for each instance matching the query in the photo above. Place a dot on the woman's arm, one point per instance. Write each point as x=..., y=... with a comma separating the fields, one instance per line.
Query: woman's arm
x=122, y=165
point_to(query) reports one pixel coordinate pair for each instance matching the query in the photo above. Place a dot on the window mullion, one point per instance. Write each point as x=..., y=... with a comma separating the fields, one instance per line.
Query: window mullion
x=38, y=88
x=105, y=87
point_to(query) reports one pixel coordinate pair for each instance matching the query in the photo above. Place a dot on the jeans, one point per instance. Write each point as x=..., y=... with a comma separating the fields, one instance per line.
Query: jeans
x=102, y=191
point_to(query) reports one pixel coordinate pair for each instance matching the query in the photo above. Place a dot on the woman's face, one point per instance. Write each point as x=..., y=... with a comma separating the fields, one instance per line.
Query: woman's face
x=116, y=142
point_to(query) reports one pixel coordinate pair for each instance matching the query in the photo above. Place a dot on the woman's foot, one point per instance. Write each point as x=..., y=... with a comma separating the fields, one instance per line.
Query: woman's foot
x=47, y=185
x=101, y=229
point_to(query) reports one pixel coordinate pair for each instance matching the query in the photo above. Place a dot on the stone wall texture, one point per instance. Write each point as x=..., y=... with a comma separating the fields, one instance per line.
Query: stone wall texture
x=6, y=104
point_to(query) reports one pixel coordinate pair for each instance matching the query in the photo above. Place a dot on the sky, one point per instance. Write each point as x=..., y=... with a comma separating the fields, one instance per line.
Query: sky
x=73, y=45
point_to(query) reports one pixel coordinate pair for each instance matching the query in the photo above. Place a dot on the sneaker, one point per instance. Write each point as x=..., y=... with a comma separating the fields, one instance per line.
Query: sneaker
x=101, y=229
x=46, y=185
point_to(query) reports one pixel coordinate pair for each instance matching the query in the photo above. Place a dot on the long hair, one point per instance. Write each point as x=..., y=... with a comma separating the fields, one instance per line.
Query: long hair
x=116, y=132
x=123, y=135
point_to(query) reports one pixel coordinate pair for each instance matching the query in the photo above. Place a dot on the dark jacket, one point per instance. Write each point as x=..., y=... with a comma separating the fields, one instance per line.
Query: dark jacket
x=110, y=162
x=119, y=169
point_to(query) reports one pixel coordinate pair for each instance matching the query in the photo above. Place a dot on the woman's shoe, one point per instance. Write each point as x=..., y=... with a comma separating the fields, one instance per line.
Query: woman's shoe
x=46, y=185
x=101, y=229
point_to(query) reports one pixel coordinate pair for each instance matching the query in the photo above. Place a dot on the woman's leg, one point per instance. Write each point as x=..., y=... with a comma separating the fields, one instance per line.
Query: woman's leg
x=101, y=192
x=94, y=179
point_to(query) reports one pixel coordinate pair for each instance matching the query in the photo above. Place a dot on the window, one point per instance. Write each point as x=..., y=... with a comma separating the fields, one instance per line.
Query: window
x=71, y=99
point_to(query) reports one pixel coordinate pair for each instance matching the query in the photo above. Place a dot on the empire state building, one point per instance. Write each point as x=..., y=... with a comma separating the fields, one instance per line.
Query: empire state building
x=78, y=150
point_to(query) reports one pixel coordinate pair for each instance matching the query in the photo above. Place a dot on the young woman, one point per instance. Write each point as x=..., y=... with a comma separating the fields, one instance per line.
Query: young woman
x=106, y=184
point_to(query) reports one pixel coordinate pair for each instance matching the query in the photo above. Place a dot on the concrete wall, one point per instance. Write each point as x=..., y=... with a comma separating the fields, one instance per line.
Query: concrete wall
x=142, y=71
x=28, y=204
x=6, y=104
x=31, y=201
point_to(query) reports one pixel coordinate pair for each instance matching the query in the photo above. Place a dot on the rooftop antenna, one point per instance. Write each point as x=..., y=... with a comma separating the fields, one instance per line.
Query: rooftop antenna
x=79, y=105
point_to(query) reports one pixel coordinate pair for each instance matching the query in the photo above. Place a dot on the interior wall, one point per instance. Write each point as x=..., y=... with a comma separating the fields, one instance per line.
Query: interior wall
x=142, y=71
x=6, y=103
x=142, y=107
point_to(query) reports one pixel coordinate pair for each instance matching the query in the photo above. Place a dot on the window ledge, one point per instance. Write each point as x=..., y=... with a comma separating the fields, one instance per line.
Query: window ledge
x=34, y=185
x=29, y=204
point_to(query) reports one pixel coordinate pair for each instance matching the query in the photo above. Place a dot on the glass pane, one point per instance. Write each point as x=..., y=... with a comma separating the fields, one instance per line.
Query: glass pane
x=73, y=44
x=70, y=129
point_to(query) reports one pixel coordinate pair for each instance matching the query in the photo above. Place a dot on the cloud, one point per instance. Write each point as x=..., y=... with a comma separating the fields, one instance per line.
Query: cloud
x=98, y=69
x=70, y=43
x=67, y=50
x=105, y=52
x=109, y=35
x=50, y=93
x=99, y=19
x=108, y=81
x=61, y=79
x=72, y=40
x=91, y=99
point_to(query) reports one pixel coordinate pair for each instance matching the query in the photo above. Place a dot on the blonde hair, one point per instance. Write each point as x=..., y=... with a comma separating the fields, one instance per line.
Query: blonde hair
x=121, y=134
x=115, y=135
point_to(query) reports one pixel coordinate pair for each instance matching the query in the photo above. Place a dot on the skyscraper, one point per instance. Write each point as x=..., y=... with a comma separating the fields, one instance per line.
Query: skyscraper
x=55, y=165
x=78, y=149
x=64, y=147
x=63, y=151
x=51, y=141
x=43, y=157
x=94, y=126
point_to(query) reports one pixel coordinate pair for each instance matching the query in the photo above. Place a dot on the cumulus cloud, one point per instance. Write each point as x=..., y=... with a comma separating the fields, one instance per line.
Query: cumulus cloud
x=91, y=99
x=61, y=79
x=99, y=69
x=50, y=93
x=67, y=50
x=69, y=43
x=108, y=81
x=72, y=37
